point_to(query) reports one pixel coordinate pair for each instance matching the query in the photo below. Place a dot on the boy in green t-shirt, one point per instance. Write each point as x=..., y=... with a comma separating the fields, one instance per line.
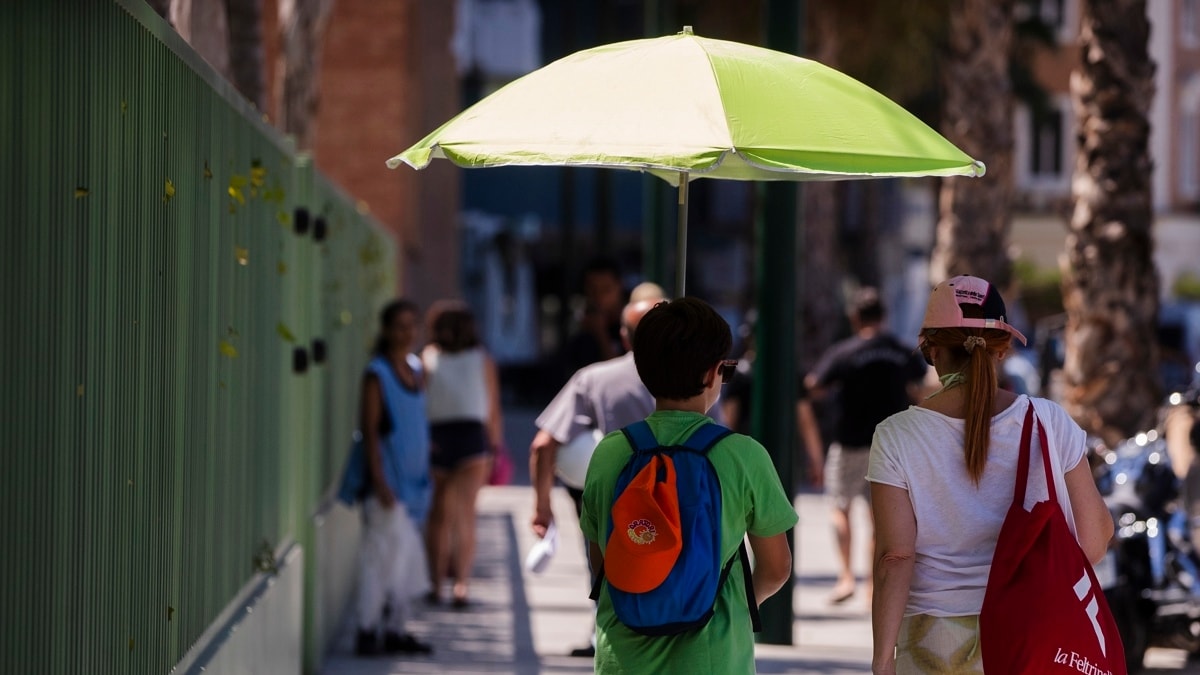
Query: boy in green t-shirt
x=679, y=349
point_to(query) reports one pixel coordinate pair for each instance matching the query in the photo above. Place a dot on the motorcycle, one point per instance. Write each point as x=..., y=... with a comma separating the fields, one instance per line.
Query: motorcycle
x=1151, y=573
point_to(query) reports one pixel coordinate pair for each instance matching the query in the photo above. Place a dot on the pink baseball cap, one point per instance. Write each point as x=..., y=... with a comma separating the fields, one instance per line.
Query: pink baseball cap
x=944, y=311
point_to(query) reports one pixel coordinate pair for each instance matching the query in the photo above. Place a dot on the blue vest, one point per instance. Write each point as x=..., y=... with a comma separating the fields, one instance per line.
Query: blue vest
x=405, y=448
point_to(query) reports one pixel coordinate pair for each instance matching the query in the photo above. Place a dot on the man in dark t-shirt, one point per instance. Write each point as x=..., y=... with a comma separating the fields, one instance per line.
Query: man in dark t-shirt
x=865, y=378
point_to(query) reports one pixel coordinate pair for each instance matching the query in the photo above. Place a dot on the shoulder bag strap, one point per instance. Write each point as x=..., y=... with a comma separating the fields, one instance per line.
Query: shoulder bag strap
x=1031, y=420
x=1023, y=457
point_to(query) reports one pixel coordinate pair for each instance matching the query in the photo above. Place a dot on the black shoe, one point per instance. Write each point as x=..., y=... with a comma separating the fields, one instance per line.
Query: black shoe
x=366, y=643
x=395, y=643
x=584, y=652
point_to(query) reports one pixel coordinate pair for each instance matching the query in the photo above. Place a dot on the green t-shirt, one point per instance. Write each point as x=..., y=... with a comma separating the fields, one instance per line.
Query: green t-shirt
x=752, y=500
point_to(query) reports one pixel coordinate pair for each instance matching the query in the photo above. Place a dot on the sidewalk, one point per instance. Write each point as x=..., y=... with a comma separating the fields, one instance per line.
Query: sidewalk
x=526, y=624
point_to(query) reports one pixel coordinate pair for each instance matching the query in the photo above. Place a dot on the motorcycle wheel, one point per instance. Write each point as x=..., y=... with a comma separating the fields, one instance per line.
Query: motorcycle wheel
x=1132, y=624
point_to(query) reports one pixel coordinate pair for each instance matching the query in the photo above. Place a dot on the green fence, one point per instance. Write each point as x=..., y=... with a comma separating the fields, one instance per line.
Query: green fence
x=172, y=274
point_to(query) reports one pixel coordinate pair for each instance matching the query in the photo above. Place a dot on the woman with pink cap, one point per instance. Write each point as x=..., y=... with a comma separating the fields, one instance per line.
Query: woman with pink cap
x=942, y=475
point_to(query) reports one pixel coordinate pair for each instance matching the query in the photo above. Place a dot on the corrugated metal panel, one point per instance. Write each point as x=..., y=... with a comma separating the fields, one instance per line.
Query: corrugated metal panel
x=156, y=436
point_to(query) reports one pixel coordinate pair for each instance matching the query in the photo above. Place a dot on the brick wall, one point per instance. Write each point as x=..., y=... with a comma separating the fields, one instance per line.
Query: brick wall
x=387, y=79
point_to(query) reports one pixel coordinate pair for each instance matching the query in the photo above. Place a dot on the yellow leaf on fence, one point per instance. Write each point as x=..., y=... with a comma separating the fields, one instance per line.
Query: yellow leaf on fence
x=81, y=192
x=281, y=267
x=168, y=190
x=258, y=174
x=285, y=332
x=242, y=255
x=227, y=349
x=237, y=183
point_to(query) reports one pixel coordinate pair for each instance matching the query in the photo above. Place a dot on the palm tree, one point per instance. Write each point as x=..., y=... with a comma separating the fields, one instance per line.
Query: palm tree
x=1110, y=286
x=819, y=276
x=977, y=113
x=246, y=67
x=301, y=30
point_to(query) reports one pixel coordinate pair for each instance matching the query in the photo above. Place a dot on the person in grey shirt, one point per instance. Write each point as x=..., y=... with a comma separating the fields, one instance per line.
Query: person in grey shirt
x=607, y=396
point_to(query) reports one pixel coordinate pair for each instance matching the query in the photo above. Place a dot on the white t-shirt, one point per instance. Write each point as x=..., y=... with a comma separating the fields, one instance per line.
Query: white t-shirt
x=456, y=389
x=921, y=451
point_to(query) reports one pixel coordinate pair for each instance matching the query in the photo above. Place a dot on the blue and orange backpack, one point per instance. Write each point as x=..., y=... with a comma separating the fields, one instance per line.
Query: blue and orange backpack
x=663, y=560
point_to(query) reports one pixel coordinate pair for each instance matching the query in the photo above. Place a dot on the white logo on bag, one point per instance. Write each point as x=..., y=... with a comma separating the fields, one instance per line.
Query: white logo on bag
x=1080, y=663
x=1083, y=589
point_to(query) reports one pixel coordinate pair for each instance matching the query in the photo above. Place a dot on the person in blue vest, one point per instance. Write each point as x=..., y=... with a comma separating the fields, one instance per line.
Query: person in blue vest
x=388, y=474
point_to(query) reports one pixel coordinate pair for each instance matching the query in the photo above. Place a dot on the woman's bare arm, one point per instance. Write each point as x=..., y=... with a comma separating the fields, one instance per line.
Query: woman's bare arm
x=895, y=553
x=1093, y=522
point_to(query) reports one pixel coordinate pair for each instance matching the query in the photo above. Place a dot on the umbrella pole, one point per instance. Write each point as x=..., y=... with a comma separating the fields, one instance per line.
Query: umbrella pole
x=681, y=237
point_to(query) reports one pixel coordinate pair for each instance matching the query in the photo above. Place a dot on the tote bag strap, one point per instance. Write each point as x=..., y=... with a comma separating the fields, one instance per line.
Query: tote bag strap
x=1031, y=420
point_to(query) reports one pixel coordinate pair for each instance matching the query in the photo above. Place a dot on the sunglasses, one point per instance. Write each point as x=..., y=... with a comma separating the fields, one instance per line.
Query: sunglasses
x=727, y=368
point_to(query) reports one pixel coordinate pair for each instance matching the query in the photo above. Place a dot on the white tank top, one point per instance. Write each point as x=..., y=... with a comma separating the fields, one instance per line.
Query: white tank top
x=455, y=389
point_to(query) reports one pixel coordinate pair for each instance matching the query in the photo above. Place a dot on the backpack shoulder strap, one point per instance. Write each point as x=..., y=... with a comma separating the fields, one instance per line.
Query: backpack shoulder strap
x=703, y=439
x=641, y=438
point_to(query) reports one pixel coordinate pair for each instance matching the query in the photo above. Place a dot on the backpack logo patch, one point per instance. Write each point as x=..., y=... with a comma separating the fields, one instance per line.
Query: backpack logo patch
x=641, y=531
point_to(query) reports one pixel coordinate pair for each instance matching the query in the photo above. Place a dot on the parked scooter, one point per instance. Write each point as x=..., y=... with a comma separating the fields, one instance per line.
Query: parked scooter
x=1151, y=574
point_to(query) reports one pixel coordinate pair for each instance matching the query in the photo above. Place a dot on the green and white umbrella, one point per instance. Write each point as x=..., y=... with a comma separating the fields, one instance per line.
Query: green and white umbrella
x=684, y=107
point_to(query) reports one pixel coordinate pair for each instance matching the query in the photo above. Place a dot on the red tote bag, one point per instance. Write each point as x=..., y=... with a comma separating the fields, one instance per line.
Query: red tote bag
x=1044, y=611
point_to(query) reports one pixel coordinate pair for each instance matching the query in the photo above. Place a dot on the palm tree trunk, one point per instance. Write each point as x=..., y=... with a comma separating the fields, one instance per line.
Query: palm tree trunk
x=1110, y=285
x=205, y=27
x=161, y=7
x=972, y=230
x=819, y=277
x=246, y=68
x=302, y=27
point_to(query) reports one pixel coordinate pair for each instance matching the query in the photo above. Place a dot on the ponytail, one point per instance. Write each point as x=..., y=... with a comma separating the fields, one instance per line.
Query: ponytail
x=980, y=389
x=977, y=351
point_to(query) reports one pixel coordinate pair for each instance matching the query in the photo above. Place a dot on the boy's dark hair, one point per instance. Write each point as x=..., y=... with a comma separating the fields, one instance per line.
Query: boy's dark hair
x=452, y=326
x=866, y=306
x=675, y=343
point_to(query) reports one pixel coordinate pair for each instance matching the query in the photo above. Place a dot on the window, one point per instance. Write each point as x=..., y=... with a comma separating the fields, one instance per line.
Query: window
x=1046, y=144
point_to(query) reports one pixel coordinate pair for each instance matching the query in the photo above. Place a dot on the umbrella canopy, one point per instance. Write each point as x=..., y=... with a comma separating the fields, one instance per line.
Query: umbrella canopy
x=683, y=107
